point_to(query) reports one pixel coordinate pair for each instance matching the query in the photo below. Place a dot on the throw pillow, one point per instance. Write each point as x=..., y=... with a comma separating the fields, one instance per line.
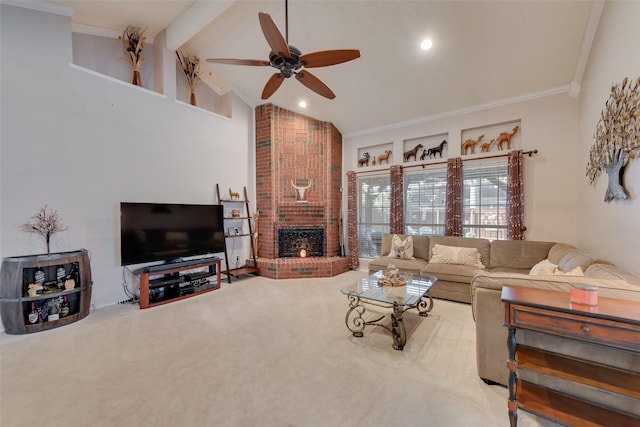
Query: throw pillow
x=575, y=272
x=401, y=248
x=442, y=254
x=543, y=267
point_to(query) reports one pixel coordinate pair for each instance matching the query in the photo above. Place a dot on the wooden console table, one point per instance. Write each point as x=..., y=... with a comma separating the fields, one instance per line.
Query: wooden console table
x=609, y=324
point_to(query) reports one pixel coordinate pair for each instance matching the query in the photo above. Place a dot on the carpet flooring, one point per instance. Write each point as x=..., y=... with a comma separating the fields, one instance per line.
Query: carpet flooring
x=257, y=352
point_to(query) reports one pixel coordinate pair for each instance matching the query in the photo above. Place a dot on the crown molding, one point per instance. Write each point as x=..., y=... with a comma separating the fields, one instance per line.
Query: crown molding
x=42, y=6
x=466, y=110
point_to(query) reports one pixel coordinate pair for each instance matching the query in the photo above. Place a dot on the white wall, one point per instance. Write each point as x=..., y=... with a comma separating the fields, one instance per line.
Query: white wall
x=81, y=143
x=548, y=125
x=612, y=229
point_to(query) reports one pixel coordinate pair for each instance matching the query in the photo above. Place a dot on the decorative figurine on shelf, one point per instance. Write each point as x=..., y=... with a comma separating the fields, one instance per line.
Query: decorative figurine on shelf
x=35, y=289
x=69, y=284
x=46, y=225
x=234, y=195
x=373, y=162
x=506, y=137
x=364, y=160
x=484, y=148
x=471, y=143
x=616, y=138
x=435, y=150
x=423, y=155
x=412, y=153
x=384, y=157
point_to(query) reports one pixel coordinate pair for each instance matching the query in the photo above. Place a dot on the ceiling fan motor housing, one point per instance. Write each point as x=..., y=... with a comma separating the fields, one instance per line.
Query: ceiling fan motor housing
x=288, y=66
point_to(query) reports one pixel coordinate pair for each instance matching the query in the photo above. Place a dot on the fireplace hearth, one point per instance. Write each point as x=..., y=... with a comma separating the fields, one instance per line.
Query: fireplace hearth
x=291, y=241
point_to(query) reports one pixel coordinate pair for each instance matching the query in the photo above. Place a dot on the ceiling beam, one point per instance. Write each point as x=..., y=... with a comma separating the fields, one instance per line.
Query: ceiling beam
x=585, y=49
x=200, y=14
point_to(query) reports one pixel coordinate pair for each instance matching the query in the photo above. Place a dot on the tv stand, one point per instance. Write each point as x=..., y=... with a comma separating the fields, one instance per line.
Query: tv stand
x=176, y=281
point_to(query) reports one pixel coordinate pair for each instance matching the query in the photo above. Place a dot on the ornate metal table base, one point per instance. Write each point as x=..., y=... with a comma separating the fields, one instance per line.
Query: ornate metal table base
x=356, y=323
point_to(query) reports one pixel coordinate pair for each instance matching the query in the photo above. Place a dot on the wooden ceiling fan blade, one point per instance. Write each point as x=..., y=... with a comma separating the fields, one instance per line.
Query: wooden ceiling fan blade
x=232, y=61
x=325, y=58
x=273, y=35
x=272, y=85
x=314, y=83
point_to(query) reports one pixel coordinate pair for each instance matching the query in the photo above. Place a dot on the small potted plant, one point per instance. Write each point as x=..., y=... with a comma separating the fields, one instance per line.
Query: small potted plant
x=45, y=224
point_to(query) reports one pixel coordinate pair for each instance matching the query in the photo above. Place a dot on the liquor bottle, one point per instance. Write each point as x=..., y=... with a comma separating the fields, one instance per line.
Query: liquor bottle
x=54, y=313
x=60, y=276
x=34, y=316
x=64, y=306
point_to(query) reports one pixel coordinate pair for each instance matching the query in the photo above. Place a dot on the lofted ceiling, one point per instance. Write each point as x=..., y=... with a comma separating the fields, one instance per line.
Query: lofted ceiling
x=484, y=52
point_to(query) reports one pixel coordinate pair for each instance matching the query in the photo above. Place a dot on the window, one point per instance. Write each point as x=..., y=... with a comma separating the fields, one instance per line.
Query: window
x=374, y=207
x=484, y=200
x=425, y=193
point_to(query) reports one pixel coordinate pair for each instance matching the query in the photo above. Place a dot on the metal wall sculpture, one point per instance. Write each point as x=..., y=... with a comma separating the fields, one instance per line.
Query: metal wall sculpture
x=616, y=138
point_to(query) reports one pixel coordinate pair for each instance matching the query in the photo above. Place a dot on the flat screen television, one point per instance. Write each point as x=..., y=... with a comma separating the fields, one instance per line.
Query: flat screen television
x=169, y=232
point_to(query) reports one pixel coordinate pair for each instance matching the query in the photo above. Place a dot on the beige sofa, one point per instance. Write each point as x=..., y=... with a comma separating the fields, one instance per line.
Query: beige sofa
x=454, y=281
x=488, y=309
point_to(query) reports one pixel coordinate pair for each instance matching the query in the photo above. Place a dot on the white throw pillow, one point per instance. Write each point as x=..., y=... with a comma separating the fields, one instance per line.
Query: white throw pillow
x=442, y=254
x=575, y=272
x=544, y=267
x=401, y=248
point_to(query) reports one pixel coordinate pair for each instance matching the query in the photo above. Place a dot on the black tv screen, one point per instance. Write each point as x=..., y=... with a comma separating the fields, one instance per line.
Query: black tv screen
x=168, y=232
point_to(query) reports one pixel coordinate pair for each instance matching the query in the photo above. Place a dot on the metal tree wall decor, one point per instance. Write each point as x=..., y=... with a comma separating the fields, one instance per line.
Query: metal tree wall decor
x=617, y=137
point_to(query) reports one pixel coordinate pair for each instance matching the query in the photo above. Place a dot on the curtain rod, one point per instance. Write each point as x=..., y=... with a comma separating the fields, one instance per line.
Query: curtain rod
x=529, y=153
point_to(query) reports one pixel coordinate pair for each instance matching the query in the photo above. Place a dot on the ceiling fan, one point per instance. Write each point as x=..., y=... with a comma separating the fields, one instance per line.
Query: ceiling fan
x=290, y=61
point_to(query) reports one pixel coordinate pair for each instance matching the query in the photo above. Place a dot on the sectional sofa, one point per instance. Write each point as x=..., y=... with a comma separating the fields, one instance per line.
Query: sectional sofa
x=513, y=263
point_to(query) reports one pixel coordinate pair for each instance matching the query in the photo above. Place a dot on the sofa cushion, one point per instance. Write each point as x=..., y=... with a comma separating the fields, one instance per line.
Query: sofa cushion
x=449, y=272
x=456, y=255
x=518, y=253
x=467, y=242
x=576, y=258
x=558, y=251
x=401, y=248
x=420, y=245
x=412, y=266
x=608, y=271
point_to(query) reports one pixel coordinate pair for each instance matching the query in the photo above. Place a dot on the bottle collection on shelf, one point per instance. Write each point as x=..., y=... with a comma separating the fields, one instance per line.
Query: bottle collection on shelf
x=50, y=310
x=54, y=308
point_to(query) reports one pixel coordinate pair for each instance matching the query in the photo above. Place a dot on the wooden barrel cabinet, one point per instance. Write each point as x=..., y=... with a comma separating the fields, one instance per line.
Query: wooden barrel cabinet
x=52, y=279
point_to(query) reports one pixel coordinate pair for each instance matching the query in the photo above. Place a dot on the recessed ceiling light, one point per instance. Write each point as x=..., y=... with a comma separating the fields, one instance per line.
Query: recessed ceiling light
x=302, y=104
x=426, y=44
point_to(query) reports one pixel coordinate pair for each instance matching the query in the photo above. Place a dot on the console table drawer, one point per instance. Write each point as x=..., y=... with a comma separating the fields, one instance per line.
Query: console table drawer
x=612, y=333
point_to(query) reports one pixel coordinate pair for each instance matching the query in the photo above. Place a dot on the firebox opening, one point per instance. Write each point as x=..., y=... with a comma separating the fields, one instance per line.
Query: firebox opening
x=300, y=242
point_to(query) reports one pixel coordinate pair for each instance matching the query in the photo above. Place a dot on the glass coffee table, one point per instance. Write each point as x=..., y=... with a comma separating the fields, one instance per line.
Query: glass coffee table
x=383, y=301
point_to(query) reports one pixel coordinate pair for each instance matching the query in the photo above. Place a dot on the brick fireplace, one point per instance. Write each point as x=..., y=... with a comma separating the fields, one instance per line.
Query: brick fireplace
x=298, y=182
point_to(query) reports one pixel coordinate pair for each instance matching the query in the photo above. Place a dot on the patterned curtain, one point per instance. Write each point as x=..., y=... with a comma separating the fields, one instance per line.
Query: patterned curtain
x=396, y=216
x=515, y=221
x=454, y=197
x=352, y=221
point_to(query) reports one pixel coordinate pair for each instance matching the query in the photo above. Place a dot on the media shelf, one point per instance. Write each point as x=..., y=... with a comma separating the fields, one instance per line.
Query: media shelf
x=252, y=267
x=162, y=284
x=55, y=280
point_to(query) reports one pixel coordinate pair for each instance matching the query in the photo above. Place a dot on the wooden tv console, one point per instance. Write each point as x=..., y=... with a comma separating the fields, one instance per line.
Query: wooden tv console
x=178, y=281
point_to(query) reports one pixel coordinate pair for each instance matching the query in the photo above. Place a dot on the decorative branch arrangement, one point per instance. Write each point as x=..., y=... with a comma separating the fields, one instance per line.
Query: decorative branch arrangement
x=617, y=136
x=133, y=42
x=191, y=67
x=45, y=225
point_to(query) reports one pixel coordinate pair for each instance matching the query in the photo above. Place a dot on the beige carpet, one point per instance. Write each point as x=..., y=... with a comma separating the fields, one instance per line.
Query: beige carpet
x=257, y=352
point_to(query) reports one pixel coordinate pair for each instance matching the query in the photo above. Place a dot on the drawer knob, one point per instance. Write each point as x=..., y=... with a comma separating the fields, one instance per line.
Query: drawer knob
x=585, y=329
